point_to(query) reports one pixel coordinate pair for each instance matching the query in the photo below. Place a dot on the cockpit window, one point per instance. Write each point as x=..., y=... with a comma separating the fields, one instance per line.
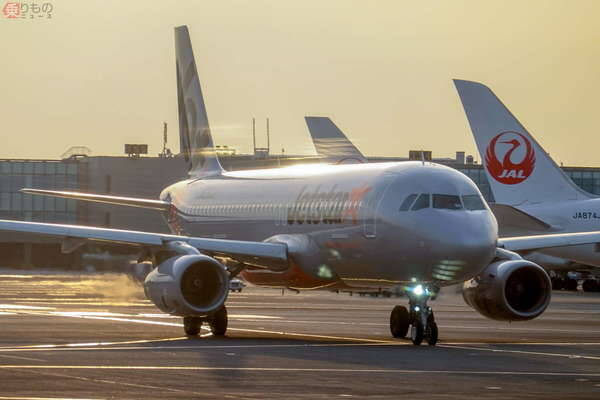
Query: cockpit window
x=473, y=202
x=447, y=202
x=422, y=202
x=408, y=202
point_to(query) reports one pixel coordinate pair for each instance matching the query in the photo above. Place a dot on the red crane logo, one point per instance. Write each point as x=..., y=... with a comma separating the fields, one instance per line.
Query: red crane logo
x=507, y=171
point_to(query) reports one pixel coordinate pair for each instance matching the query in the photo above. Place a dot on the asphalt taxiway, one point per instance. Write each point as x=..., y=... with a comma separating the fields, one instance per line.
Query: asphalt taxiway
x=96, y=337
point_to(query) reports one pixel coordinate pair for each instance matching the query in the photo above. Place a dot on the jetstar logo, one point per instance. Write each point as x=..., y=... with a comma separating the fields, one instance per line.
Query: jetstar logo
x=326, y=207
x=356, y=195
x=510, y=146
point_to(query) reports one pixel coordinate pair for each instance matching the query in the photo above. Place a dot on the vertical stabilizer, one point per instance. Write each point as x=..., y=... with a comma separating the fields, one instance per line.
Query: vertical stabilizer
x=194, y=132
x=518, y=169
x=330, y=141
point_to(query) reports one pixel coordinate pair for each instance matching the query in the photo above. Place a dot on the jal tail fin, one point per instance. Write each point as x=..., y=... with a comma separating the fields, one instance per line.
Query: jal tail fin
x=518, y=169
x=330, y=141
x=194, y=132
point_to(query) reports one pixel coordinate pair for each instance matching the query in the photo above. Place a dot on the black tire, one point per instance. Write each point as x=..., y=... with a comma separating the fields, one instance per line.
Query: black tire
x=557, y=284
x=218, y=322
x=432, y=333
x=192, y=325
x=571, y=285
x=417, y=333
x=590, y=285
x=399, y=321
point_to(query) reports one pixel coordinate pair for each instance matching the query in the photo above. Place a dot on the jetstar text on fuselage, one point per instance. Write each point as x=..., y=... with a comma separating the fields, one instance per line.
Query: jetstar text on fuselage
x=326, y=207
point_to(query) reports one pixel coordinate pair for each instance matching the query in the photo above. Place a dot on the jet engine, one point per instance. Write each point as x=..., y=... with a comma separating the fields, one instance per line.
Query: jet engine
x=509, y=290
x=188, y=285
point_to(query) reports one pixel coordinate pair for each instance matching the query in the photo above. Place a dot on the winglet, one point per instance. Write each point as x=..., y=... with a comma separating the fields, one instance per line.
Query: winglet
x=194, y=132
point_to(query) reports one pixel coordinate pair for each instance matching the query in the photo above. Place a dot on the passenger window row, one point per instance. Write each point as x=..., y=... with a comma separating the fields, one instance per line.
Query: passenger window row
x=414, y=202
x=233, y=209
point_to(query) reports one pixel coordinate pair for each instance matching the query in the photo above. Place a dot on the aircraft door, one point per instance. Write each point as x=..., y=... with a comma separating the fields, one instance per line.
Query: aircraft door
x=371, y=204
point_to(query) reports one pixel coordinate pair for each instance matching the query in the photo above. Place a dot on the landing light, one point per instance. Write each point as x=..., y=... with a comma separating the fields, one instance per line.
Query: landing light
x=418, y=290
x=325, y=272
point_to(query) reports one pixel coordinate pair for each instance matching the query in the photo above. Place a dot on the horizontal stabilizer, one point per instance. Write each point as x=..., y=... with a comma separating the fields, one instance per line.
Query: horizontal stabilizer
x=101, y=198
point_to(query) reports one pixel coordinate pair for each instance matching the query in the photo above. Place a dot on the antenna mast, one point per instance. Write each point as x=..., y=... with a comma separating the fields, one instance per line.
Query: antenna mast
x=268, y=138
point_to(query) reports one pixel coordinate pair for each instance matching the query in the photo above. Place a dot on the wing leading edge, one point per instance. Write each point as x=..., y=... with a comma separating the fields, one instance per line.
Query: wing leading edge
x=266, y=255
x=537, y=242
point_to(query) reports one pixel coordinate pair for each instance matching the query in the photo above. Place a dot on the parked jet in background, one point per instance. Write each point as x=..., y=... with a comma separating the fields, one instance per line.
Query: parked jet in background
x=522, y=176
x=331, y=143
x=355, y=227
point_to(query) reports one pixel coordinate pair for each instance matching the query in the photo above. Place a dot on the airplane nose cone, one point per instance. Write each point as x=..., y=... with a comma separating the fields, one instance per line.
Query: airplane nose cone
x=462, y=246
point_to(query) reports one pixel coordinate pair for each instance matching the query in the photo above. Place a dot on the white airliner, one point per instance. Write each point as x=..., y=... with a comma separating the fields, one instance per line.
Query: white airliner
x=319, y=227
x=523, y=176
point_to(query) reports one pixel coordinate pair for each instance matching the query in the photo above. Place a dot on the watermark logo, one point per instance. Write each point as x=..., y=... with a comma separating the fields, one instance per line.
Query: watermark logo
x=511, y=160
x=27, y=10
x=12, y=10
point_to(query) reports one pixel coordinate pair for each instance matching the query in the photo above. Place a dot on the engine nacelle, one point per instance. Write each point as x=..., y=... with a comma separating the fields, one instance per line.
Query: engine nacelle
x=188, y=285
x=509, y=290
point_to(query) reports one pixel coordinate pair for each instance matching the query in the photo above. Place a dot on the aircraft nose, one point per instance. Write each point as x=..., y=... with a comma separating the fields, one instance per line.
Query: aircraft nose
x=463, y=246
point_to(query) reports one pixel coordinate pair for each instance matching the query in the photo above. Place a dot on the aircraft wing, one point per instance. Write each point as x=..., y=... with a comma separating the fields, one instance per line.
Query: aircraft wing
x=261, y=254
x=537, y=242
x=101, y=198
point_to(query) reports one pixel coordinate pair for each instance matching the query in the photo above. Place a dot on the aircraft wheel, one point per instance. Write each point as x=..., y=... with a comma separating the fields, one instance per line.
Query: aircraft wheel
x=590, y=285
x=432, y=333
x=191, y=325
x=218, y=322
x=417, y=332
x=571, y=284
x=399, y=321
x=557, y=284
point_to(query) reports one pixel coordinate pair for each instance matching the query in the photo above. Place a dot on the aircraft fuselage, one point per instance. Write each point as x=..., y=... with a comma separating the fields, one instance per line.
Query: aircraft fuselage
x=344, y=221
x=571, y=216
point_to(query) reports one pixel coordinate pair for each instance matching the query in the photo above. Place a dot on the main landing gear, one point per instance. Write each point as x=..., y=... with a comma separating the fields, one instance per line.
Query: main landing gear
x=419, y=317
x=217, y=323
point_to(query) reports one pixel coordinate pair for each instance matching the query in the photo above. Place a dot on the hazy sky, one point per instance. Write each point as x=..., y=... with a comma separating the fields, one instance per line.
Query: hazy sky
x=102, y=73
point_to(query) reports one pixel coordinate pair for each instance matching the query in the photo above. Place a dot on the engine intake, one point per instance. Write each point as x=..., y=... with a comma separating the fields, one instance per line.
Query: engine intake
x=509, y=290
x=189, y=285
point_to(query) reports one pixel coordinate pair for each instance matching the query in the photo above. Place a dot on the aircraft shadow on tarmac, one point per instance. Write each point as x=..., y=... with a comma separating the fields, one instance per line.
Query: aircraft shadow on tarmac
x=236, y=356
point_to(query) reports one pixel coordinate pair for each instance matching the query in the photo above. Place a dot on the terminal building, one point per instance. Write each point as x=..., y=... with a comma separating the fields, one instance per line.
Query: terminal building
x=142, y=176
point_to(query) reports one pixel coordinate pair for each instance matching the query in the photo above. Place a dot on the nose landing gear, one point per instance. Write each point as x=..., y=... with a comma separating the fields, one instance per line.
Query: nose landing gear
x=419, y=317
